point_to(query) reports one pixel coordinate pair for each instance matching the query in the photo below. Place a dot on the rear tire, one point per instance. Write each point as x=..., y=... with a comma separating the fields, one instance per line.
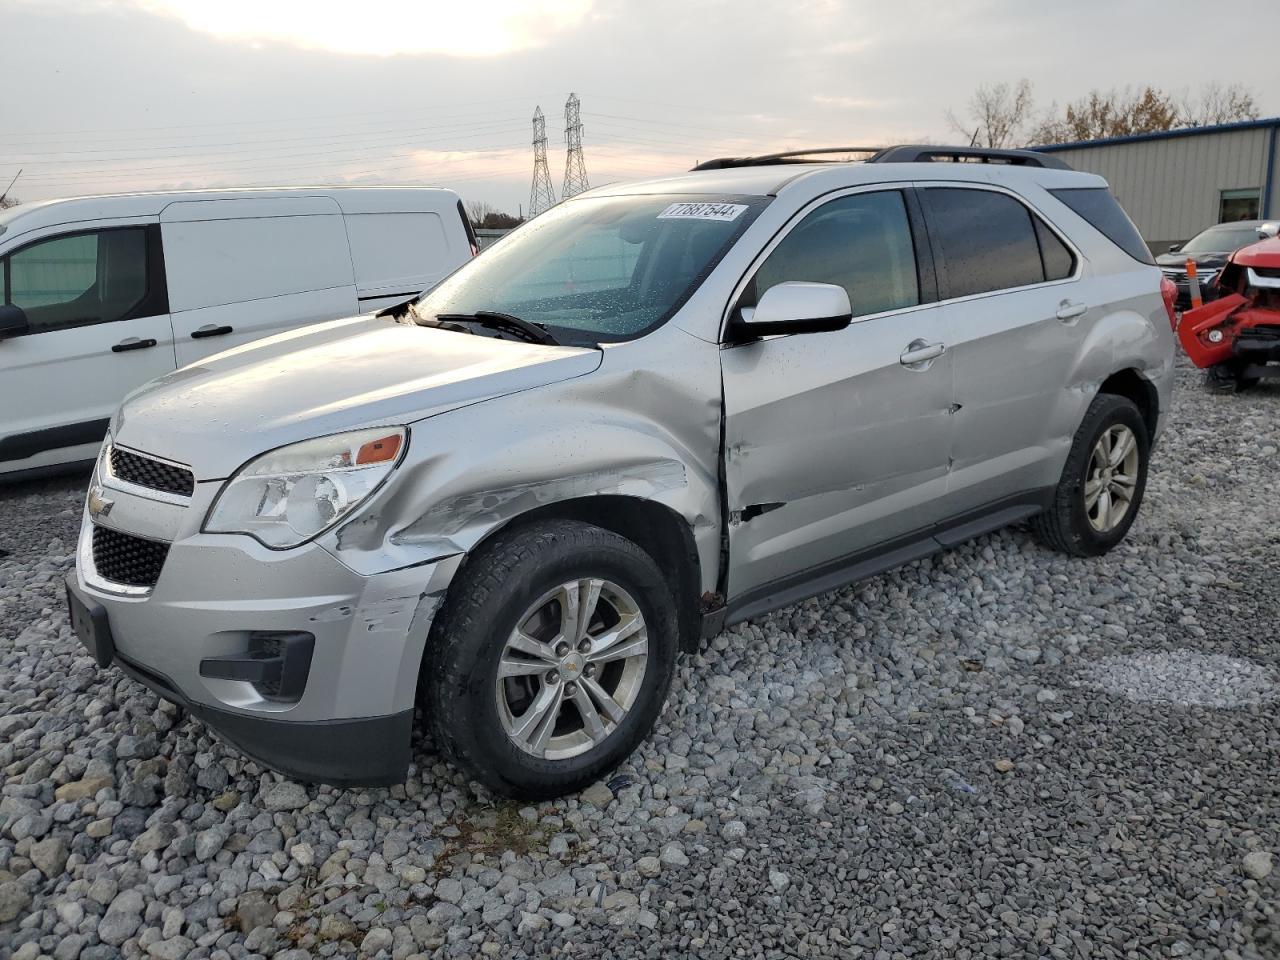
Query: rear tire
x=1107, y=466
x=522, y=695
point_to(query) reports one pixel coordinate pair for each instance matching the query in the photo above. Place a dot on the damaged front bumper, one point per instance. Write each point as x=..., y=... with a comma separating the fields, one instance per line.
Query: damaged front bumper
x=296, y=659
x=1233, y=330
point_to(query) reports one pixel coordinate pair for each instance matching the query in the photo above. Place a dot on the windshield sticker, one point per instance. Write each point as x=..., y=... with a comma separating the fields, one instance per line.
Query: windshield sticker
x=703, y=211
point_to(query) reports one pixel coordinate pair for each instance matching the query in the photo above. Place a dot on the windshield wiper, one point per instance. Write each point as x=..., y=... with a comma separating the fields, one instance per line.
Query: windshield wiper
x=526, y=330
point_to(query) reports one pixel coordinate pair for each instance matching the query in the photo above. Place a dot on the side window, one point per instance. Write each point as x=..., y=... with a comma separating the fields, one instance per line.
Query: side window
x=1099, y=207
x=79, y=279
x=860, y=242
x=1059, y=262
x=987, y=240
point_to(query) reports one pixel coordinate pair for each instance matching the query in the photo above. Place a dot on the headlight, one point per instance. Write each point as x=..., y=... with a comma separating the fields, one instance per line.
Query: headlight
x=288, y=496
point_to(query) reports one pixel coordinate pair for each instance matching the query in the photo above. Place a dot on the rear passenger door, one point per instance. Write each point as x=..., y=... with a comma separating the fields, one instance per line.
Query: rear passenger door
x=1009, y=286
x=243, y=269
x=97, y=328
x=836, y=443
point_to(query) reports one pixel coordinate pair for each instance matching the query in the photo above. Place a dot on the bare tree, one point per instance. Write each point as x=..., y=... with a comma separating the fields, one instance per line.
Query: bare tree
x=1121, y=113
x=998, y=114
x=477, y=210
x=1218, y=104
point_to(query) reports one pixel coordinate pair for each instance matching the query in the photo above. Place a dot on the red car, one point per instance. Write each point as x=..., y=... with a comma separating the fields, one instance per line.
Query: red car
x=1237, y=337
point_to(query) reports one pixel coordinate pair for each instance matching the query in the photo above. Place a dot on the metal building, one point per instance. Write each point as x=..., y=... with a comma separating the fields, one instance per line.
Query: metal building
x=1176, y=183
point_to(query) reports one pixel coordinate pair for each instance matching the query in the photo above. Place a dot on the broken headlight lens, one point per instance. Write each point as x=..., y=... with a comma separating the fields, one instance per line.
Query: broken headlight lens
x=288, y=496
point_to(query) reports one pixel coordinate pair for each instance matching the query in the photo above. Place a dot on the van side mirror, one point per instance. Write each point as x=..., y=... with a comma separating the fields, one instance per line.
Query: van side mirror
x=13, y=321
x=797, y=307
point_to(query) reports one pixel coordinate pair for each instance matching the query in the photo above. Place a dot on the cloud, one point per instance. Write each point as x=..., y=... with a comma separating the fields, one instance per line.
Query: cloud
x=383, y=27
x=846, y=103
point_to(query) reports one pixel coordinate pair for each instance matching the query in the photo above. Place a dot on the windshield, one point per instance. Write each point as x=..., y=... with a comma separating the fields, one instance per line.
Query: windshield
x=597, y=268
x=1221, y=239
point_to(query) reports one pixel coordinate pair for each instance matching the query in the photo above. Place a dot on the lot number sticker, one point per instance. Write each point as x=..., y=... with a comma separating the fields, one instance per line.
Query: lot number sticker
x=703, y=211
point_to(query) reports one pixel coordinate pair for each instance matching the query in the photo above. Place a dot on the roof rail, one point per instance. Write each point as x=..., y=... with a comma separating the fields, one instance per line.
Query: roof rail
x=909, y=153
x=788, y=156
x=926, y=153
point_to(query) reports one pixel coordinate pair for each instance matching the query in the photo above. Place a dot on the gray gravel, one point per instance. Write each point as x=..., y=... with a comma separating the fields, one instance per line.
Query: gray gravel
x=996, y=752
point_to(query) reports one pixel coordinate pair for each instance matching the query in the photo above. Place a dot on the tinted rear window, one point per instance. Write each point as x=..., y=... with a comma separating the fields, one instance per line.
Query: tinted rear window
x=1099, y=207
x=986, y=239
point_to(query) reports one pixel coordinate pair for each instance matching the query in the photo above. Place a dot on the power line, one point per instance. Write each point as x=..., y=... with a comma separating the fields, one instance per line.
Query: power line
x=331, y=137
x=271, y=120
x=256, y=163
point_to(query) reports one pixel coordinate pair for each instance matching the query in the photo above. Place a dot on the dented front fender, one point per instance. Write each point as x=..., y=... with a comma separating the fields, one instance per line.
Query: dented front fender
x=645, y=424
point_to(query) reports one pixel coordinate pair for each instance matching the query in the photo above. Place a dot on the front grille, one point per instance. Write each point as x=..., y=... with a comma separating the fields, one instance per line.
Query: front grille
x=126, y=559
x=155, y=474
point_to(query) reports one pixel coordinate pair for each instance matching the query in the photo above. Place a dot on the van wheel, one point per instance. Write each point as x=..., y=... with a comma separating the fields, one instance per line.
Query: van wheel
x=1102, y=483
x=551, y=659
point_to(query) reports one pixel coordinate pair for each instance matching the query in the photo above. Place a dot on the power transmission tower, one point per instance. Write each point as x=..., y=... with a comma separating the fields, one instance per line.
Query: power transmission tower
x=575, y=168
x=542, y=196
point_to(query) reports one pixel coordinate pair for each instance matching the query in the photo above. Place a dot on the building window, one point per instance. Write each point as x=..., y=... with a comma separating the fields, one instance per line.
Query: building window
x=1239, y=205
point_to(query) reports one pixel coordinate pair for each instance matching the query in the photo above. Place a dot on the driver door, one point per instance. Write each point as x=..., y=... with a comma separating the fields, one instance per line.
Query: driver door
x=837, y=443
x=97, y=327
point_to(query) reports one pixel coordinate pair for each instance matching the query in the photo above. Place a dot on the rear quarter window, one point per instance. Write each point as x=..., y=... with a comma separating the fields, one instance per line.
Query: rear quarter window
x=1104, y=213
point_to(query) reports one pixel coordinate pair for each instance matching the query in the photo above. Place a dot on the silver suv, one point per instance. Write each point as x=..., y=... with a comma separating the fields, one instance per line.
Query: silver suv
x=657, y=409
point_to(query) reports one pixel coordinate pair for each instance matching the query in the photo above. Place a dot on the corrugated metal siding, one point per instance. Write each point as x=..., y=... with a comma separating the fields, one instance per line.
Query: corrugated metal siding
x=1171, y=187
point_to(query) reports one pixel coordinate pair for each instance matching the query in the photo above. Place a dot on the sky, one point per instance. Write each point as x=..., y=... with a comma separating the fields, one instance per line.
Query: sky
x=117, y=95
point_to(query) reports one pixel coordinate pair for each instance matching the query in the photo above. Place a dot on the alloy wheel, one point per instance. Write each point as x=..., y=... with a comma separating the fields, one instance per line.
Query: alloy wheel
x=572, y=668
x=1112, y=478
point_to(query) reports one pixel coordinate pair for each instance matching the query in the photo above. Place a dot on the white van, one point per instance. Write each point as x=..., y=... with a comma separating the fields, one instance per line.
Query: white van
x=102, y=294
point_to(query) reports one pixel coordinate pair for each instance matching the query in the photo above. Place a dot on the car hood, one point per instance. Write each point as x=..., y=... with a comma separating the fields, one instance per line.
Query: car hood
x=1201, y=259
x=1264, y=254
x=216, y=414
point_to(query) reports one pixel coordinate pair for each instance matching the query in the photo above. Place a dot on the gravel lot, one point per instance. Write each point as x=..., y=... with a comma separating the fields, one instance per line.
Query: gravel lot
x=998, y=752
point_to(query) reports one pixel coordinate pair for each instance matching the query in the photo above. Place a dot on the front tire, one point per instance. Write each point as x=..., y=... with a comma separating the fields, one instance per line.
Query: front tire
x=1101, y=487
x=551, y=659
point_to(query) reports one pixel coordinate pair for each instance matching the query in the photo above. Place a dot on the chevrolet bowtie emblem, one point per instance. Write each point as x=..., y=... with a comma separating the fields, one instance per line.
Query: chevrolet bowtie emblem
x=99, y=506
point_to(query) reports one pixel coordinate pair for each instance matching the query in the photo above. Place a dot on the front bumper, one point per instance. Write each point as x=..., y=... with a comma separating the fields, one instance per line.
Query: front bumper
x=350, y=721
x=369, y=751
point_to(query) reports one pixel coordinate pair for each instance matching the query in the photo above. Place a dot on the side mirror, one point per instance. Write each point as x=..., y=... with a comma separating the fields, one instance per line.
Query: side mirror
x=13, y=321
x=797, y=307
x=1175, y=247
x=1269, y=230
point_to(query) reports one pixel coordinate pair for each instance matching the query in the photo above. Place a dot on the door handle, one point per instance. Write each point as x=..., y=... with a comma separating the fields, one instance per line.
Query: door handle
x=210, y=330
x=921, y=351
x=132, y=343
x=1069, y=311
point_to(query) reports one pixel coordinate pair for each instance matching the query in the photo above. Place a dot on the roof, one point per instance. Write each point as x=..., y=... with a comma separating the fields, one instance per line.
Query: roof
x=1163, y=135
x=772, y=179
x=44, y=213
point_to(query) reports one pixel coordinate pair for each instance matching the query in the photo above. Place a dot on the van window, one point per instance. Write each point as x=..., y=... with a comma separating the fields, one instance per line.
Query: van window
x=860, y=242
x=78, y=279
x=219, y=261
x=987, y=240
x=398, y=253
